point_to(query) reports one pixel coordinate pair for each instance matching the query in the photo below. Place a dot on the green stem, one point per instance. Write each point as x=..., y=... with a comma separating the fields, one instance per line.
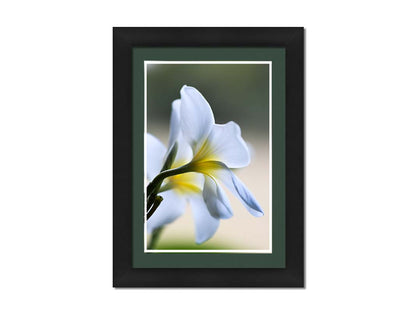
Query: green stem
x=153, y=201
x=151, y=210
x=157, y=181
x=155, y=238
x=153, y=188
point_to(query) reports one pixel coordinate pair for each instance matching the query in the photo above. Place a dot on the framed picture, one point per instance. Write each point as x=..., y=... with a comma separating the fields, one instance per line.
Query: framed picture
x=208, y=157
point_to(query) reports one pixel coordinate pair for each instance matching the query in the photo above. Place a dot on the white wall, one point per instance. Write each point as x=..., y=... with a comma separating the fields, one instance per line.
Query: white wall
x=56, y=163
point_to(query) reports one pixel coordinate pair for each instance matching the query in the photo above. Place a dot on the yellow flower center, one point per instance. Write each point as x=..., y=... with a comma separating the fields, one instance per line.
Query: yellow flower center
x=183, y=183
x=203, y=162
x=205, y=153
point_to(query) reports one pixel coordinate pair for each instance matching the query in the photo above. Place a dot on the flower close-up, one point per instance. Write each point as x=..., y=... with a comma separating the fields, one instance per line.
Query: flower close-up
x=199, y=159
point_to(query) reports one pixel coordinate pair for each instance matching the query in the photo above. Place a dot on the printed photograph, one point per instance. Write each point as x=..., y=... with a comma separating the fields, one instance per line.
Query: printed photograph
x=208, y=157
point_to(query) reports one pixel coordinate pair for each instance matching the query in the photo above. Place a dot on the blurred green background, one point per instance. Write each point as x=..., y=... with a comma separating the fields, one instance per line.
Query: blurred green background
x=237, y=92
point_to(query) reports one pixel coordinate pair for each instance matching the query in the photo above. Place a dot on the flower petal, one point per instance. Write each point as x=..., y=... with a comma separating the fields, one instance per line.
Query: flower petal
x=220, y=171
x=184, y=153
x=205, y=224
x=198, y=180
x=175, y=126
x=171, y=207
x=197, y=118
x=155, y=153
x=248, y=200
x=225, y=144
x=216, y=200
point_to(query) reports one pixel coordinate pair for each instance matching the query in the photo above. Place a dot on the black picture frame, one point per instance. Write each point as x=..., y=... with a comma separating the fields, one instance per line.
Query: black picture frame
x=124, y=40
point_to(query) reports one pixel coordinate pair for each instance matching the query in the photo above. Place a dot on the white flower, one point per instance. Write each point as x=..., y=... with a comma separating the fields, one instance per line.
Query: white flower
x=205, y=153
